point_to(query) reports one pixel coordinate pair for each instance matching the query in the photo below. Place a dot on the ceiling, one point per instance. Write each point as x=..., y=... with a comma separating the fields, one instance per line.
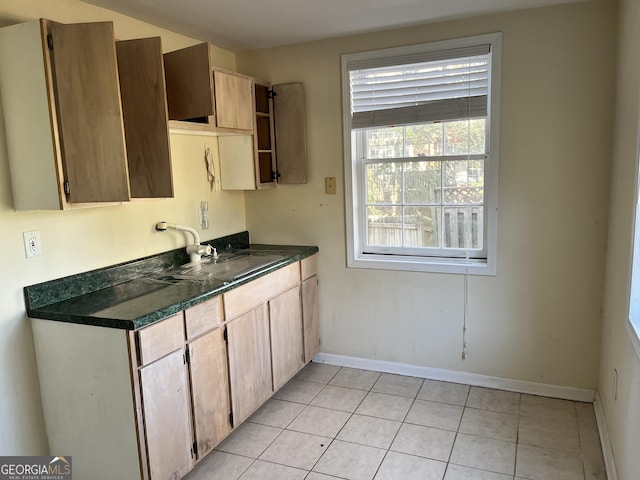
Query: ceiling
x=239, y=25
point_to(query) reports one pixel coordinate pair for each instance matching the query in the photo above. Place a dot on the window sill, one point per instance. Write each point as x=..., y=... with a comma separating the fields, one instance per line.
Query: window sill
x=634, y=336
x=422, y=264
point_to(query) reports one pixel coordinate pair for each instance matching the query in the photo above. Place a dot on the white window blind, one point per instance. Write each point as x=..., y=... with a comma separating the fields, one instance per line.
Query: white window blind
x=419, y=88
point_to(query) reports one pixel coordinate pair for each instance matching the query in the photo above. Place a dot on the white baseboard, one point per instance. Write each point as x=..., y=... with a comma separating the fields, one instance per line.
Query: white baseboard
x=605, y=440
x=521, y=386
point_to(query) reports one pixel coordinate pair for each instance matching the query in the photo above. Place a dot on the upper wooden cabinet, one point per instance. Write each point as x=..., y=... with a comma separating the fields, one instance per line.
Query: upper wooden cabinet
x=144, y=111
x=201, y=97
x=277, y=153
x=64, y=117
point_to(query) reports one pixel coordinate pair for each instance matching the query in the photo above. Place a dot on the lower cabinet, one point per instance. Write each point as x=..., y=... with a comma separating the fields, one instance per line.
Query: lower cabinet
x=249, y=362
x=191, y=378
x=167, y=416
x=209, y=390
x=287, y=346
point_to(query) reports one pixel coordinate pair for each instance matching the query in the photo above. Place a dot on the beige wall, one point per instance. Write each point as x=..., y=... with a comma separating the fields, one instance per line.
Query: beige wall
x=539, y=318
x=76, y=241
x=623, y=413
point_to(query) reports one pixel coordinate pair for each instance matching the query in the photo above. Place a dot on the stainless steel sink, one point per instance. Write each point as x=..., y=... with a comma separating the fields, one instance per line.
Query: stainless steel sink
x=227, y=268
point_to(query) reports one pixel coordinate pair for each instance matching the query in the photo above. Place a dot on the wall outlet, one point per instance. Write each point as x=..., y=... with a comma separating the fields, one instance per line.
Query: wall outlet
x=32, y=246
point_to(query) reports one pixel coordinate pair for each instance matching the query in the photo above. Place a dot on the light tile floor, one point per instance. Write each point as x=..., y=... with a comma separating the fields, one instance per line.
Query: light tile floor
x=331, y=422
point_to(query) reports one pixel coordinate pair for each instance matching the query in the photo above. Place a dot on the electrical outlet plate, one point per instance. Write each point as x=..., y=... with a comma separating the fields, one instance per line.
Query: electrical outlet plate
x=32, y=246
x=330, y=185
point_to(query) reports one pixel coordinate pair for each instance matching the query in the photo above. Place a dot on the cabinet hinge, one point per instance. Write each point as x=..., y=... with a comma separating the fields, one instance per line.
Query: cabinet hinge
x=194, y=450
x=276, y=175
x=67, y=187
x=225, y=336
x=50, y=41
x=231, y=419
x=271, y=93
x=187, y=357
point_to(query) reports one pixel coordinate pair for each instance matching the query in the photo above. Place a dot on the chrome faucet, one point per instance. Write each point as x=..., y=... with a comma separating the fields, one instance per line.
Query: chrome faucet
x=195, y=250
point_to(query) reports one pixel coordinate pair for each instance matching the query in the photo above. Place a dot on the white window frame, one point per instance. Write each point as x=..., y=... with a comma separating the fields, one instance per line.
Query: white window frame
x=633, y=319
x=354, y=187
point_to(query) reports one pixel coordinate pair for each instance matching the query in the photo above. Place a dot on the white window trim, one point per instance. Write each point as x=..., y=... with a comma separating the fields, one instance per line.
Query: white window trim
x=357, y=259
x=633, y=319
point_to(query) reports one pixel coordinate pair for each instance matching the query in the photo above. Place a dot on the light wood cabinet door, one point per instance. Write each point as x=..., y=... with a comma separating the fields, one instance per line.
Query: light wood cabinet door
x=290, y=132
x=287, y=350
x=310, y=317
x=167, y=417
x=89, y=113
x=209, y=390
x=144, y=110
x=233, y=101
x=249, y=362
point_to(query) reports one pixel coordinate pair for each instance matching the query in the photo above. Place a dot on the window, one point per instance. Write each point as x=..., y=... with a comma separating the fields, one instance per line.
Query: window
x=420, y=135
x=633, y=325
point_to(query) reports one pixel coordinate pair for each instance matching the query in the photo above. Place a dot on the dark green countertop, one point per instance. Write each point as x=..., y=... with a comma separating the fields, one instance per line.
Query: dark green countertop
x=134, y=294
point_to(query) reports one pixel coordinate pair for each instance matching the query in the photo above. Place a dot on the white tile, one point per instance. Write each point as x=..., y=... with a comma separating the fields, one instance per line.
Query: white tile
x=221, y=466
x=339, y=398
x=434, y=414
x=319, y=421
x=276, y=413
x=458, y=472
x=494, y=400
x=424, y=441
x=371, y=431
x=298, y=391
x=547, y=408
x=537, y=463
x=398, y=466
x=501, y=426
x=295, y=449
x=270, y=471
x=350, y=461
x=592, y=458
x=319, y=476
x=397, y=385
x=317, y=372
x=554, y=433
x=381, y=405
x=444, y=392
x=586, y=415
x=354, y=378
x=484, y=454
x=249, y=439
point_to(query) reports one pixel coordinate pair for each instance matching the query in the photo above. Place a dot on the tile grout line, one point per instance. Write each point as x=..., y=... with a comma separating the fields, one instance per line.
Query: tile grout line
x=455, y=437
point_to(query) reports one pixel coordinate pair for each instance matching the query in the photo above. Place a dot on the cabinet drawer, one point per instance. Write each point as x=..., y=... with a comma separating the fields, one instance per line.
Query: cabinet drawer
x=201, y=318
x=160, y=339
x=259, y=291
x=309, y=267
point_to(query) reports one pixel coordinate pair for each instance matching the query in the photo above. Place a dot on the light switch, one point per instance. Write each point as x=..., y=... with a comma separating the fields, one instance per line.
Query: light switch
x=330, y=185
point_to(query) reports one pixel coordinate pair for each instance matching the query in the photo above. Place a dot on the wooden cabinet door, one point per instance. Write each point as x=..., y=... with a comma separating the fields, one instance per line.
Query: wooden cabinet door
x=89, y=114
x=287, y=350
x=167, y=417
x=144, y=110
x=209, y=390
x=189, y=82
x=233, y=94
x=310, y=317
x=249, y=362
x=290, y=132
